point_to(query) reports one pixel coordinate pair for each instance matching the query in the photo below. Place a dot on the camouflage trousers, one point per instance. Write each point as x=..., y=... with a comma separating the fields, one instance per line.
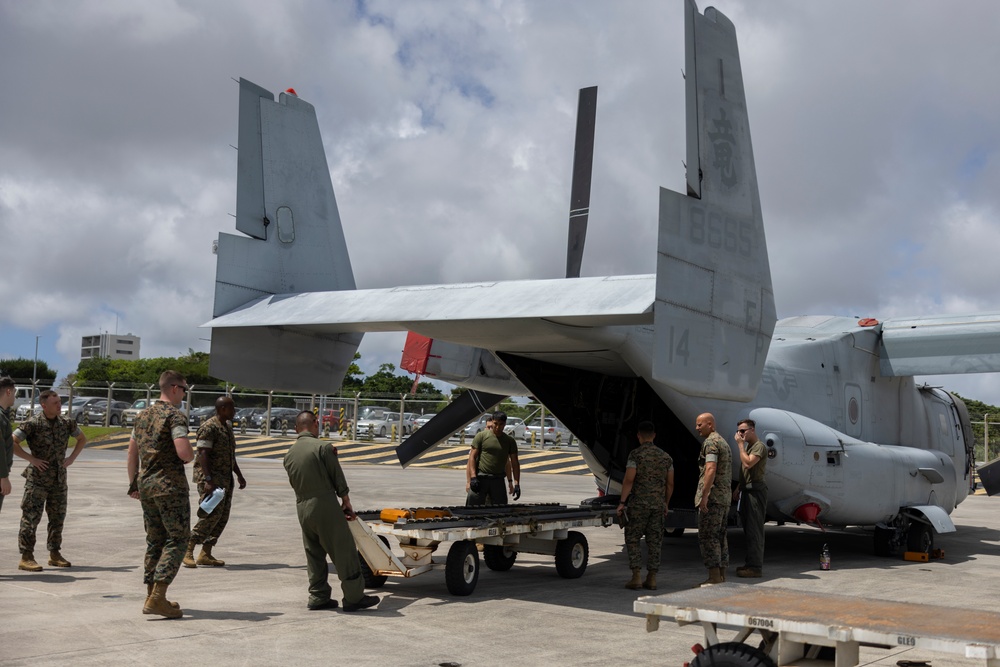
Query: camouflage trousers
x=712, y=525
x=644, y=519
x=168, y=527
x=210, y=526
x=50, y=498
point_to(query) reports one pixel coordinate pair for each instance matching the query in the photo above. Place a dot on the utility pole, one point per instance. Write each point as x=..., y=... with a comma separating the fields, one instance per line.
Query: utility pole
x=34, y=378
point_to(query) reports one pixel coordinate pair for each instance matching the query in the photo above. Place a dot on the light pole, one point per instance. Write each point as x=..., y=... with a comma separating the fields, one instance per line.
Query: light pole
x=34, y=377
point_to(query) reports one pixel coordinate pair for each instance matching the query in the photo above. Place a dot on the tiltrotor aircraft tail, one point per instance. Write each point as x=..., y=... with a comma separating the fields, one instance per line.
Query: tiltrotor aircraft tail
x=294, y=243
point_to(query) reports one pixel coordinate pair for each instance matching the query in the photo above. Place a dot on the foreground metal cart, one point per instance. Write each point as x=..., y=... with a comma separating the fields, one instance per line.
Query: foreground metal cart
x=795, y=626
x=503, y=530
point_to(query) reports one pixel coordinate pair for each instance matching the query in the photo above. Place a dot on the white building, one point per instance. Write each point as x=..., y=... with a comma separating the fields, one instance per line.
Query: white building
x=110, y=346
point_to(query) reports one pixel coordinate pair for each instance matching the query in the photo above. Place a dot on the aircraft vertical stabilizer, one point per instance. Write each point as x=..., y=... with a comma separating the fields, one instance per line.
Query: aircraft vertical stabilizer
x=714, y=312
x=286, y=204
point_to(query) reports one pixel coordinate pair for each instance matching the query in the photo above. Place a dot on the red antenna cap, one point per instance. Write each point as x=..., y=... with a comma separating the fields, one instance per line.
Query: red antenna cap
x=291, y=91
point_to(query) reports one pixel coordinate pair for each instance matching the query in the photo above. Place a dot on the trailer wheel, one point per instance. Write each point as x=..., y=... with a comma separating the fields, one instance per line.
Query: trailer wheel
x=372, y=580
x=919, y=538
x=571, y=555
x=732, y=654
x=499, y=558
x=461, y=570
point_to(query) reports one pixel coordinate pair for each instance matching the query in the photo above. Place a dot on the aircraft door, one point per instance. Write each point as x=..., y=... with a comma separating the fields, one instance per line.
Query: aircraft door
x=853, y=410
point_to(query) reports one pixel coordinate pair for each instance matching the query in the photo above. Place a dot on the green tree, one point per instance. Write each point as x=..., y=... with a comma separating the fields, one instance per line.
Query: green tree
x=194, y=367
x=21, y=370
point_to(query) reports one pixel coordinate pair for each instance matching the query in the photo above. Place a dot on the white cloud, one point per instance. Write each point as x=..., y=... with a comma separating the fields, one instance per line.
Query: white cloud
x=449, y=138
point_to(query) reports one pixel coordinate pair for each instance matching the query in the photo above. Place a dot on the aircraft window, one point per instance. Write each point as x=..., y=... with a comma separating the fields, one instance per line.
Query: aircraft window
x=945, y=435
x=286, y=225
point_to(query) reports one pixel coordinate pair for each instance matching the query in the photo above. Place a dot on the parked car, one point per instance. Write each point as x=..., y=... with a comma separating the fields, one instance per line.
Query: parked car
x=331, y=418
x=245, y=414
x=515, y=428
x=366, y=411
x=392, y=418
x=96, y=412
x=553, y=429
x=423, y=419
x=77, y=409
x=278, y=415
x=130, y=413
x=377, y=425
x=475, y=427
x=199, y=416
x=22, y=410
x=22, y=395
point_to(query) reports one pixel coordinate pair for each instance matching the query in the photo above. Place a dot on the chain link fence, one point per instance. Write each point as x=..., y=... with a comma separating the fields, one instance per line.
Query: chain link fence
x=274, y=412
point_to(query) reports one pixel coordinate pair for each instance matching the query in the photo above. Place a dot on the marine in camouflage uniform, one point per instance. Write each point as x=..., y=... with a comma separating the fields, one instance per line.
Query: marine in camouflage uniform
x=216, y=447
x=163, y=490
x=646, y=491
x=7, y=390
x=314, y=472
x=45, y=490
x=713, y=498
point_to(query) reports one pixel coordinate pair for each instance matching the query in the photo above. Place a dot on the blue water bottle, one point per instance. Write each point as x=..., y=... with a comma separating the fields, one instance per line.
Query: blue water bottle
x=213, y=500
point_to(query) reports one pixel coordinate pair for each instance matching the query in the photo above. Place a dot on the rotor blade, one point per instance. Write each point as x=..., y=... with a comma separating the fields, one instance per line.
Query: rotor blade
x=459, y=412
x=583, y=165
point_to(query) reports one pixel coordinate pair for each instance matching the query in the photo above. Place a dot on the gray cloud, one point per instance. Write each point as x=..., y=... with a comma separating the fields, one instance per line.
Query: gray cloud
x=449, y=133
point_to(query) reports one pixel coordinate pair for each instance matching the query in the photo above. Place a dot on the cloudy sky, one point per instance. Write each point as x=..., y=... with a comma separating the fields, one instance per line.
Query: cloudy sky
x=449, y=131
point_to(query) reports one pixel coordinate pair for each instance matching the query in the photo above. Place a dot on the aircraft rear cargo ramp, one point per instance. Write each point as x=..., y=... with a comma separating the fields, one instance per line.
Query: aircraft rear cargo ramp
x=792, y=621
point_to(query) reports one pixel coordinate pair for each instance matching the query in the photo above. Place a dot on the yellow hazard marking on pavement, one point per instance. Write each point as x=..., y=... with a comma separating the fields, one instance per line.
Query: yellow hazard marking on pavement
x=111, y=445
x=364, y=452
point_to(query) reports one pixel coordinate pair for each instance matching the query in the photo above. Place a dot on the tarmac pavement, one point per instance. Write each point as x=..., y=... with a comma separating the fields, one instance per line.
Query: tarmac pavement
x=252, y=611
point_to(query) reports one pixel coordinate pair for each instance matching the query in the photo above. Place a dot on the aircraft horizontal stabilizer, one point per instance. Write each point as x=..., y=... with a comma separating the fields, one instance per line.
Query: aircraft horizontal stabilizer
x=940, y=345
x=513, y=316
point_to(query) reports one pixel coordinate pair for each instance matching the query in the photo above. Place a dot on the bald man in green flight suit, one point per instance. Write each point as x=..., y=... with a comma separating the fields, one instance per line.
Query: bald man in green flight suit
x=315, y=474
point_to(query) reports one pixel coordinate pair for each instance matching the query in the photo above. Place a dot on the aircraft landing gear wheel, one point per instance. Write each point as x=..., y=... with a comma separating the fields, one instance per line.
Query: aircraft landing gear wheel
x=372, y=580
x=461, y=570
x=882, y=539
x=732, y=654
x=499, y=558
x=571, y=555
x=920, y=538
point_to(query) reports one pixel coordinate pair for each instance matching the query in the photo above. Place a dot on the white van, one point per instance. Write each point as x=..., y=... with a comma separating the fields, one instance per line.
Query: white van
x=22, y=394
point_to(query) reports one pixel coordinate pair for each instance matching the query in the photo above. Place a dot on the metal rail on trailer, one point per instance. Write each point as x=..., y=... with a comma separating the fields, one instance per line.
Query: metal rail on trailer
x=795, y=624
x=503, y=530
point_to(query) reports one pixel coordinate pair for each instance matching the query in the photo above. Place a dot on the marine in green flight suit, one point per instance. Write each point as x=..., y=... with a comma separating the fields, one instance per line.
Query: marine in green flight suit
x=318, y=480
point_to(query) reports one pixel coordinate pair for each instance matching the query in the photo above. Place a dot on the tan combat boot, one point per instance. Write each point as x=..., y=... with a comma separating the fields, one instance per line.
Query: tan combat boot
x=634, y=583
x=650, y=583
x=722, y=572
x=189, y=556
x=157, y=603
x=28, y=563
x=714, y=577
x=149, y=591
x=749, y=572
x=205, y=557
x=56, y=559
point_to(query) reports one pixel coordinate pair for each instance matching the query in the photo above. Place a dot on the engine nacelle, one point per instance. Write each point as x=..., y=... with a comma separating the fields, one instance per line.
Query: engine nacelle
x=815, y=472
